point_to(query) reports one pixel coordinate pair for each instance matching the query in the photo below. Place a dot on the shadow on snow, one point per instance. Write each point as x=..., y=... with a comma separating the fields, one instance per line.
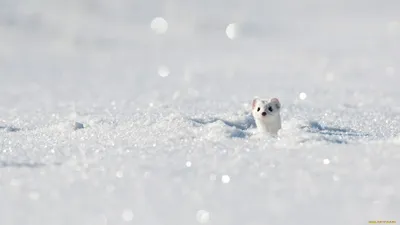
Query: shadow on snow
x=330, y=134
x=5, y=164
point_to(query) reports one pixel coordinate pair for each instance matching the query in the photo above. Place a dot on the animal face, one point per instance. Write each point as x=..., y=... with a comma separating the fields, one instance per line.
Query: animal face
x=263, y=109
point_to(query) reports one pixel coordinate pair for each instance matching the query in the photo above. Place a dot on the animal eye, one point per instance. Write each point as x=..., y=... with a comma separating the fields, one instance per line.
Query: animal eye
x=258, y=109
x=270, y=109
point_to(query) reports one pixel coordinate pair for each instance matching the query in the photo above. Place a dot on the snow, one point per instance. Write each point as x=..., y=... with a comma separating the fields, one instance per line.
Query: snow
x=137, y=112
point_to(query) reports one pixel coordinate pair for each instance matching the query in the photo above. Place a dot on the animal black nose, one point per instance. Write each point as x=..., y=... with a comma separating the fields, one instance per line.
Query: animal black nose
x=264, y=113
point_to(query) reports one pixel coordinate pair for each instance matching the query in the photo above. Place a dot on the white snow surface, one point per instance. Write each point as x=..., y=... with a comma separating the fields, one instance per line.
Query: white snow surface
x=92, y=134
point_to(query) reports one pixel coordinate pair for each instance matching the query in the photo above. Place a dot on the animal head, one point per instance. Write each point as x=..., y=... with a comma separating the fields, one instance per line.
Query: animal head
x=264, y=108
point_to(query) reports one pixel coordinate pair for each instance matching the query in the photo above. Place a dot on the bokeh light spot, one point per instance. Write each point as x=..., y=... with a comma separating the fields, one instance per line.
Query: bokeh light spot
x=159, y=25
x=127, y=215
x=202, y=216
x=231, y=31
x=163, y=71
x=302, y=95
x=225, y=179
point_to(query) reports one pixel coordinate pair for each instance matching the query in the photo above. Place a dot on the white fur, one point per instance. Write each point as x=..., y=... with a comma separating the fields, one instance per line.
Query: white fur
x=270, y=123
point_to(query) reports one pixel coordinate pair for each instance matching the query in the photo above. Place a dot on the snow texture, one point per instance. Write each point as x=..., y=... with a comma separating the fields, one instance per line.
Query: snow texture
x=138, y=112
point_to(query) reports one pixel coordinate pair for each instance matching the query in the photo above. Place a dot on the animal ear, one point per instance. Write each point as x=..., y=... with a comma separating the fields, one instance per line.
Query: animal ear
x=253, y=104
x=277, y=103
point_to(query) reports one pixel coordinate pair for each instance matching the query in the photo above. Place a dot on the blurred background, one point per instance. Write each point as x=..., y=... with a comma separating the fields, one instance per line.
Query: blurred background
x=56, y=50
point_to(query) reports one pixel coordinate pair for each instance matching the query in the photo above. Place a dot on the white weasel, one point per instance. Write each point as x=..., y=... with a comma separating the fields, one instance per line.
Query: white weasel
x=266, y=114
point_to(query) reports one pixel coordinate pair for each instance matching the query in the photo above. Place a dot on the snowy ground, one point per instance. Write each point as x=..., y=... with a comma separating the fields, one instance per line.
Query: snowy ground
x=179, y=149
